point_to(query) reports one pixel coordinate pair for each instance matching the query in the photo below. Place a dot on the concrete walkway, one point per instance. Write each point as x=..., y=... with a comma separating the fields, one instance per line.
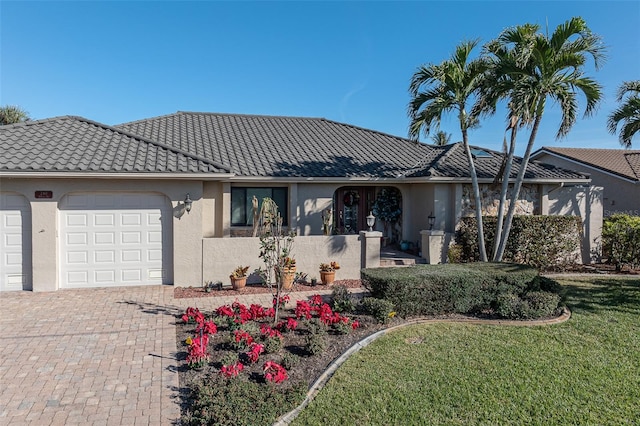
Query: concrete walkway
x=95, y=356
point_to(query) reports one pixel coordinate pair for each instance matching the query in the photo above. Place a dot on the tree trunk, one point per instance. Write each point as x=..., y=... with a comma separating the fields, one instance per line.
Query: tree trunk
x=503, y=191
x=518, y=184
x=476, y=195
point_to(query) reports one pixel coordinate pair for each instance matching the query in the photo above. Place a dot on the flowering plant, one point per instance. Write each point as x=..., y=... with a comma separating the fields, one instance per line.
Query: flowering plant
x=231, y=370
x=274, y=372
x=198, y=355
x=255, y=349
x=329, y=267
x=239, y=272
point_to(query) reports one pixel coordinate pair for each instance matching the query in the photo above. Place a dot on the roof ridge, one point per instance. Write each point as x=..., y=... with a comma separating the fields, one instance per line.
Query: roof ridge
x=152, y=142
x=622, y=150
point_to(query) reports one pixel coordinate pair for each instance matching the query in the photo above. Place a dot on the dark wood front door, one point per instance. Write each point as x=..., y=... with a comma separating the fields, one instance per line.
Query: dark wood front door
x=353, y=205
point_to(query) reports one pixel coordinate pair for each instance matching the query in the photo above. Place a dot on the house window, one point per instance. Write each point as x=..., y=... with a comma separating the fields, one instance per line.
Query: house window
x=242, y=206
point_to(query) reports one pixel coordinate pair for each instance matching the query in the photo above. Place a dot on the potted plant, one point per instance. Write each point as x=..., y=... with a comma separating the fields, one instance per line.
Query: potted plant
x=288, y=272
x=239, y=277
x=328, y=272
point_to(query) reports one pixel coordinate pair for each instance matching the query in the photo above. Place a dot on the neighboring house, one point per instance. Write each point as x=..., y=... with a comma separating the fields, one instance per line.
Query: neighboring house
x=84, y=204
x=617, y=171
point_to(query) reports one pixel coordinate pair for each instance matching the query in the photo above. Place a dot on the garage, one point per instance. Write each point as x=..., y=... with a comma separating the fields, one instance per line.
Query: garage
x=115, y=239
x=15, y=230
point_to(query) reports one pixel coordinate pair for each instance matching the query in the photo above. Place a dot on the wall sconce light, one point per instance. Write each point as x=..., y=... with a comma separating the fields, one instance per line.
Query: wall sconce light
x=187, y=203
x=371, y=220
x=432, y=221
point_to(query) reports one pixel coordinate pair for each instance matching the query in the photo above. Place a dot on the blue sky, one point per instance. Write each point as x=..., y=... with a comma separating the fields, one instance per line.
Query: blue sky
x=351, y=62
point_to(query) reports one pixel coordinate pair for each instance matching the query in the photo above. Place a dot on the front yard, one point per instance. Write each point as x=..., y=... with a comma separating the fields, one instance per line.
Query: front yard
x=584, y=371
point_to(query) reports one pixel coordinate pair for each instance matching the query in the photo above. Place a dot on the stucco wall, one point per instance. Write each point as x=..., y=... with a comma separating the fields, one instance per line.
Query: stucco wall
x=312, y=200
x=222, y=255
x=618, y=196
x=583, y=201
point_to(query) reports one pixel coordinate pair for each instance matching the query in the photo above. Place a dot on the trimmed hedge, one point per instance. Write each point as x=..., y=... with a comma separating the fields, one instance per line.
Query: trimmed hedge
x=469, y=288
x=545, y=242
x=621, y=240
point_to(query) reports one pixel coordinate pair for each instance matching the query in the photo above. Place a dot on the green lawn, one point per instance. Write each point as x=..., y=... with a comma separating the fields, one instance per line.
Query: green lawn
x=584, y=371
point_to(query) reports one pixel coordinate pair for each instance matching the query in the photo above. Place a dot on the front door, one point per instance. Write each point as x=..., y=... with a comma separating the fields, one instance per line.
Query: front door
x=353, y=206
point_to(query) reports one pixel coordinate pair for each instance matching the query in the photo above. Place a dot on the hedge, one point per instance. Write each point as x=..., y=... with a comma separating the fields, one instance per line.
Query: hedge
x=544, y=242
x=471, y=288
x=621, y=240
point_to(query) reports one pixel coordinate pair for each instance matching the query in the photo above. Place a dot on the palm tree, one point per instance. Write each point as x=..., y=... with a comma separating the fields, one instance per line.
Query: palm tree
x=11, y=114
x=449, y=87
x=441, y=138
x=526, y=69
x=628, y=113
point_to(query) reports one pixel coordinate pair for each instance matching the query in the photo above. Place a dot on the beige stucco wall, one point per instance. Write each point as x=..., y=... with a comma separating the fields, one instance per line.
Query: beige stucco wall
x=222, y=255
x=187, y=228
x=584, y=201
x=618, y=196
x=312, y=199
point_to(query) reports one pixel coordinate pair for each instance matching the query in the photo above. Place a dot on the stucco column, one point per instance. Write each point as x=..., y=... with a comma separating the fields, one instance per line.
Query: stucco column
x=370, y=249
x=44, y=243
x=433, y=246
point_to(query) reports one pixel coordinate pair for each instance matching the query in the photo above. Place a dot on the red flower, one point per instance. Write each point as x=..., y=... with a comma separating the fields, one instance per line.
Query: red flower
x=303, y=309
x=225, y=311
x=241, y=335
x=232, y=370
x=316, y=300
x=254, y=352
x=355, y=324
x=274, y=372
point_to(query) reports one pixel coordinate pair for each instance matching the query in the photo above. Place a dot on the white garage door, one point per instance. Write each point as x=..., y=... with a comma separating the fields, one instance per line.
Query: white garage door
x=114, y=239
x=15, y=248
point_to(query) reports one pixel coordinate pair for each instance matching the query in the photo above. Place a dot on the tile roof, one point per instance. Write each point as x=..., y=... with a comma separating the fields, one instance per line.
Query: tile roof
x=453, y=162
x=75, y=144
x=621, y=162
x=315, y=147
x=285, y=146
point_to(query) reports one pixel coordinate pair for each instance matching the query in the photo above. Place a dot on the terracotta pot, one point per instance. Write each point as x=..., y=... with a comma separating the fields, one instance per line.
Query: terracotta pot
x=327, y=277
x=288, y=277
x=238, y=283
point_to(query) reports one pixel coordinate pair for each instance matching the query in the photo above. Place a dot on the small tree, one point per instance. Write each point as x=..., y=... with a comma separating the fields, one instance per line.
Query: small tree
x=11, y=114
x=275, y=247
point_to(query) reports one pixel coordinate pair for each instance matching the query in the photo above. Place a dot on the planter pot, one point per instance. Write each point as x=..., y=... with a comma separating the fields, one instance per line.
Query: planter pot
x=238, y=283
x=327, y=277
x=287, y=278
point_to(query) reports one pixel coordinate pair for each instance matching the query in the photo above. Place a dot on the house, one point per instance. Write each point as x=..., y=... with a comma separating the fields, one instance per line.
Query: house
x=617, y=171
x=168, y=200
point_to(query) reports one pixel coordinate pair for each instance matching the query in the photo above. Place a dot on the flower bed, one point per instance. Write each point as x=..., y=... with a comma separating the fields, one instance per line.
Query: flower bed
x=251, y=361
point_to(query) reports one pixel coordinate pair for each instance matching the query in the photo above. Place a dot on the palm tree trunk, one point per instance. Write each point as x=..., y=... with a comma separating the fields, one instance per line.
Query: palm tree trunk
x=476, y=195
x=503, y=192
x=517, y=185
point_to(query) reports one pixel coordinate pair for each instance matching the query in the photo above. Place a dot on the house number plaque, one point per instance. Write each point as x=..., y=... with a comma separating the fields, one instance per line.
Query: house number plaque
x=44, y=194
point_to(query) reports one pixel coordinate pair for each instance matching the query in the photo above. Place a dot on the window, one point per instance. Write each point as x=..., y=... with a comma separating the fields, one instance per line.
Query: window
x=242, y=207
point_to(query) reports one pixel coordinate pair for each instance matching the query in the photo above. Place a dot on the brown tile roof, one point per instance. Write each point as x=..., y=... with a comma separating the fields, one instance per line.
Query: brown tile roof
x=622, y=162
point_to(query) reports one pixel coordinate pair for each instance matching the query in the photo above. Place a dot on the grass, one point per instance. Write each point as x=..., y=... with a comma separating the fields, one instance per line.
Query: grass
x=584, y=371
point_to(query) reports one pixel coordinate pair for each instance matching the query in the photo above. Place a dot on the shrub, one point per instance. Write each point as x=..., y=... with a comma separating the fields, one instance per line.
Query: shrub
x=380, y=309
x=535, y=304
x=544, y=242
x=315, y=343
x=621, y=240
x=289, y=360
x=217, y=401
x=315, y=326
x=273, y=344
x=456, y=288
x=341, y=299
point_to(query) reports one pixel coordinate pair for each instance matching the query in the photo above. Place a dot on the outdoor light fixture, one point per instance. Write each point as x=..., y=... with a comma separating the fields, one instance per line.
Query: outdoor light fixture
x=187, y=203
x=371, y=220
x=432, y=220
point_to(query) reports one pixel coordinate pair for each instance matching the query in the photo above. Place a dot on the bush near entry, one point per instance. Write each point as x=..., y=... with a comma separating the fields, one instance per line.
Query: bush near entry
x=507, y=290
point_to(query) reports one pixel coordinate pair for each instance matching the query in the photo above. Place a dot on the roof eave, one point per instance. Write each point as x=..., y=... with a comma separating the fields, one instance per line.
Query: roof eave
x=114, y=175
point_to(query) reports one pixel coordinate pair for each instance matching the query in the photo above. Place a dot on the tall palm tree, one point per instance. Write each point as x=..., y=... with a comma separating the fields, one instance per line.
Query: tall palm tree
x=450, y=86
x=11, y=114
x=628, y=113
x=527, y=68
x=441, y=138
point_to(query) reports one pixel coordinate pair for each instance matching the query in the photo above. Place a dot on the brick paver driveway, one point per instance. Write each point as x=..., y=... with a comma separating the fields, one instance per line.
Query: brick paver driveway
x=90, y=356
x=103, y=356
